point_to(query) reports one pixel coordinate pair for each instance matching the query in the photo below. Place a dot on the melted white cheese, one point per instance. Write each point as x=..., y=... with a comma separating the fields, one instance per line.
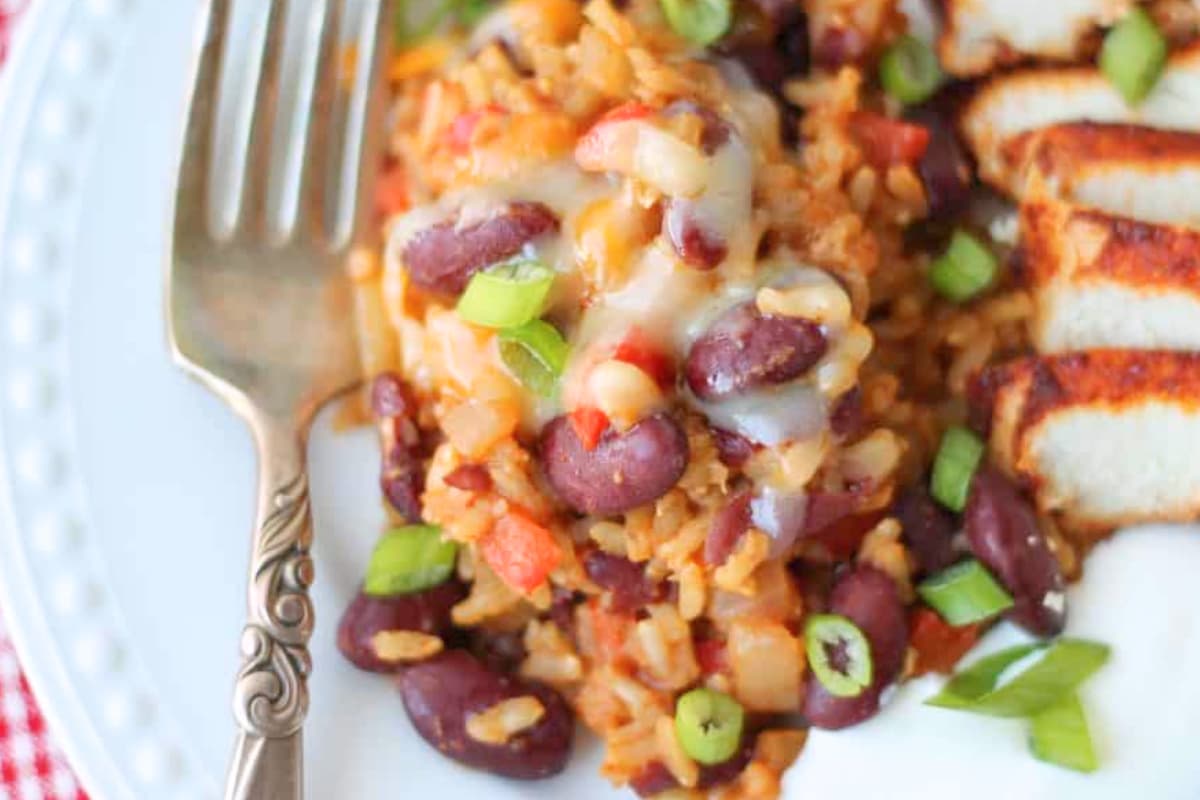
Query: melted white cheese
x=1138, y=595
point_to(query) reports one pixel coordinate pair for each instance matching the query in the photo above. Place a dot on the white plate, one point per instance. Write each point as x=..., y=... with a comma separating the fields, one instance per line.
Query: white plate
x=129, y=487
x=127, y=490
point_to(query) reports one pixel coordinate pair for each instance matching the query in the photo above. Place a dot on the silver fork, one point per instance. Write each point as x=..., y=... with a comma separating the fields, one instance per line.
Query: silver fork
x=259, y=311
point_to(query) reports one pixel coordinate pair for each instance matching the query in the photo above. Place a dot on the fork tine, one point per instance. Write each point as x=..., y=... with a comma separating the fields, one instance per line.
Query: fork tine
x=315, y=175
x=355, y=130
x=193, y=212
x=363, y=169
x=253, y=212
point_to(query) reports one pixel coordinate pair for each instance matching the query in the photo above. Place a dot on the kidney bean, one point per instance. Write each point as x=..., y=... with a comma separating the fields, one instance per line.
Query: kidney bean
x=727, y=528
x=443, y=258
x=562, y=609
x=745, y=349
x=1003, y=532
x=869, y=599
x=826, y=508
x=629, y=589
x=655, y=778
x=846, y=418
x=501, y=652
x=772, y=45
x=441, y=694
x=469, y=478
x=402, y=480
x=623, y=471
x=926, y=528
x=390, y=397
x=778, y=11
x=944, y=168
x=834, y=47
x=696, y=245
x=982, y=388
x=367, y=615
x=652, y=780
x=733, y=449
x=401, y=474
x=716, y=131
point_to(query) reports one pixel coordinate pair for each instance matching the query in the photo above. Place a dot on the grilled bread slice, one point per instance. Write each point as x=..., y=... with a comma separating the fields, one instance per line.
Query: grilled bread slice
x=980, y=35
x=1100, y=280
x=1104, y=438
x=1026, y=100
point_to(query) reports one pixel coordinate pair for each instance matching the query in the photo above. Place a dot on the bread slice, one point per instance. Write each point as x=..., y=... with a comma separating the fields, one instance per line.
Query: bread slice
x=1027, y=100
x=1104, y=438
x=1100, y=280
x=980, y=35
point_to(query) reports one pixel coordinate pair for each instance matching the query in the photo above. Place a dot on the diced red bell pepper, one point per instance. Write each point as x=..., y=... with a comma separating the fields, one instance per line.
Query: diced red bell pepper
x=589, y=423
x=939, y=645
x=637, y=349
x=461, y=131
x=391, y=192
x=886, y=141
x=595, y=145
x=610, y=630
x=630, y=110
x=520, y=551
x=710, y=655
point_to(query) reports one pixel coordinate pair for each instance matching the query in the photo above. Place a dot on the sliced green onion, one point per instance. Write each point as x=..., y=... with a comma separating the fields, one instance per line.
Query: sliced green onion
x=957, y=459
x=839, y=654
x=708, y=725
x=909, y=70
x=470, y=12
x=1133, y=55
x=506, y=295
x=965, y=593
x=535, y=353
x=966, y=269
x=1059, y=735
x=410, y=559
x=415, y=21
x=699, y=21
x=1066, y=664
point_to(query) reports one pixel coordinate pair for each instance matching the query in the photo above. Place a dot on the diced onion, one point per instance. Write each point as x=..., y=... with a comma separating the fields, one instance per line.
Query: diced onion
x=781, y=516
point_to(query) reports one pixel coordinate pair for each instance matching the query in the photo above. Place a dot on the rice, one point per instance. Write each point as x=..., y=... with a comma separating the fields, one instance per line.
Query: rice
x=488, y=121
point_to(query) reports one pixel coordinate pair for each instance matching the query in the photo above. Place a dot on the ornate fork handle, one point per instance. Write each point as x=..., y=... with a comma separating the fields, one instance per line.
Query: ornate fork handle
x=271, y=693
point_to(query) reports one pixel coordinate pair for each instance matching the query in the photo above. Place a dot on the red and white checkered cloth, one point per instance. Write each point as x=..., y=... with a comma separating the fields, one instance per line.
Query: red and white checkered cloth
x=31, y=767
